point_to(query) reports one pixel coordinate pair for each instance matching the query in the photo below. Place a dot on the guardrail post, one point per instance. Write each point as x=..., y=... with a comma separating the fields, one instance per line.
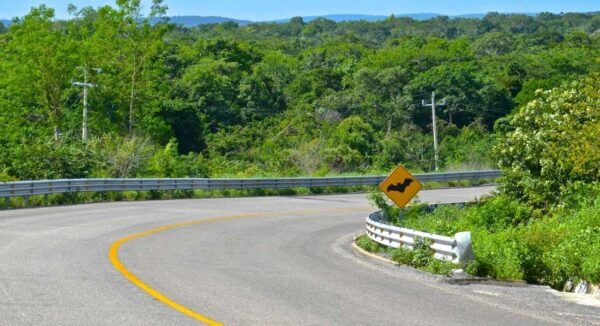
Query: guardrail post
x=7, y=202
x=464, y=251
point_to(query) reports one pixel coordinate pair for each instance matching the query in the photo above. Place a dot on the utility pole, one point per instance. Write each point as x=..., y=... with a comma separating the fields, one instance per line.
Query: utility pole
x=433, y=121
x=85, y=85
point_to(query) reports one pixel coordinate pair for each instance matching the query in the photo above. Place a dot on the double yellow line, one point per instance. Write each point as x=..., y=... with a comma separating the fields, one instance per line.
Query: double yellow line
x=113, y=254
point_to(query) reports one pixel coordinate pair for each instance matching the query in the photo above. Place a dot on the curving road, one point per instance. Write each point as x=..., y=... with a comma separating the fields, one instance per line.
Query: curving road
x=242, y=261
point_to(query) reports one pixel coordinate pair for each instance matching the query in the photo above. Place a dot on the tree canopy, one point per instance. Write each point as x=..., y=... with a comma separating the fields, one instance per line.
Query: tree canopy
x=292, y=98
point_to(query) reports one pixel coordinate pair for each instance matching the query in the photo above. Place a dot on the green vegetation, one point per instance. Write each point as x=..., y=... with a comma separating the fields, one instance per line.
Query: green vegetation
x=269, y=99
x=369, y=245
x=511, y=242
x=421, y=257
x=544, y=224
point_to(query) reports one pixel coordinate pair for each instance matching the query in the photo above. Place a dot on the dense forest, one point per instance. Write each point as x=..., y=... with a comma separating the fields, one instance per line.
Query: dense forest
x=272, y=99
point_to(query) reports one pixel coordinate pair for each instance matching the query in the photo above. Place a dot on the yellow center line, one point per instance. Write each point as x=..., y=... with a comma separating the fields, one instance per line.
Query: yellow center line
x=113, y=254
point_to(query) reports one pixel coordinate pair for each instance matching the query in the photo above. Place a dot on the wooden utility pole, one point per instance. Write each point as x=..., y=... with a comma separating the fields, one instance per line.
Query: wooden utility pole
x=433, y=121
x=85, y=85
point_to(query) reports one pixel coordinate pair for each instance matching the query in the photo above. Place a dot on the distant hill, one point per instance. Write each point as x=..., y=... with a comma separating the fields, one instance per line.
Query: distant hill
x=337, y=18
x=416, y=16
x=187, y=21
x=191, y=21
x=353, y=17
x=419, y=16
x=476, y=16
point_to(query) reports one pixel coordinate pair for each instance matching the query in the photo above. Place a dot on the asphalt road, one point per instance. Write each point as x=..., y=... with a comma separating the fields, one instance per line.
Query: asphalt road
x=242, y=261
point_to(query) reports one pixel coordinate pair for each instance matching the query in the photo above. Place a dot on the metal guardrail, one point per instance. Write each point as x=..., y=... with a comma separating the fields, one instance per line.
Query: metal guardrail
x=45, y=187
x=456, y=249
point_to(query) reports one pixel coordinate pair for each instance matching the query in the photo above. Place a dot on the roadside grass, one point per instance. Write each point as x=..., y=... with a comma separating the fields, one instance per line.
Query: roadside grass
x=366, y=244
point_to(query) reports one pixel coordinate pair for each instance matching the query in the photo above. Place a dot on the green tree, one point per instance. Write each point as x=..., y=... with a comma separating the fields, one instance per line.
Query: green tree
x=495, y=43
x=351, y=145
x=406, y=145
x=129, y=48
x=469, y=95
x=470, y=149
x=36, y=63
x=555, y=143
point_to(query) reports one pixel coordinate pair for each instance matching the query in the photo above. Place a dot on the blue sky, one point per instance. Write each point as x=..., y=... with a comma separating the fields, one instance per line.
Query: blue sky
x=274, y=9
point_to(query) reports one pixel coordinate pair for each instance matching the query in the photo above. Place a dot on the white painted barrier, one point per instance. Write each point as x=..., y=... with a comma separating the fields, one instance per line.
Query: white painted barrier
x=456, y=249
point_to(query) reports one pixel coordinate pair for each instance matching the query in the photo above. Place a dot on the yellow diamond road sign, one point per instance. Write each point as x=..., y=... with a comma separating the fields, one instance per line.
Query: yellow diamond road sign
x=400, y=186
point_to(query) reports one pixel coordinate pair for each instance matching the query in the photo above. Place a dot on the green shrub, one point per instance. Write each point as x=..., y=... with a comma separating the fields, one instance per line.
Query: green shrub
x=365, y=243
x=536, y=240
x=472, y=267
x=576, y=253
x=50, y=159
x=442, y=220
x=423, y=254
x=379, y=200
x=440, y=267
x=498, y=255
x=579, y=194
x=121, y=157
x=498, y=213
x=590, y=268
x=402, y=256
x=470, y=149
